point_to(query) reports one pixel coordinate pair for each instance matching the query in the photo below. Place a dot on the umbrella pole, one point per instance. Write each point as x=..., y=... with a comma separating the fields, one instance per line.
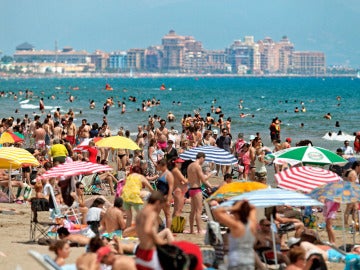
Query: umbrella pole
x=9, y=185
x=273, y=239
x=343, y=226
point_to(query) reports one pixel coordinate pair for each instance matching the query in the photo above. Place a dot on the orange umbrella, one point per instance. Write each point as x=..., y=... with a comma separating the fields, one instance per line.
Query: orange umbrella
x=236, y=188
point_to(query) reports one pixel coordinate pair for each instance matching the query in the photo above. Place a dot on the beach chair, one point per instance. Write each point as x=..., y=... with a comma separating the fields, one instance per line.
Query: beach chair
x=40, y=226
x=48, y=263
x=88, y=182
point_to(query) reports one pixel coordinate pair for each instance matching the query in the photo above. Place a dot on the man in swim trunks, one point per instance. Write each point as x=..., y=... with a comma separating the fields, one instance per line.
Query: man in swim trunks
x=161, y=135
x=71, y=131
x=146, y=228
x=196, y=177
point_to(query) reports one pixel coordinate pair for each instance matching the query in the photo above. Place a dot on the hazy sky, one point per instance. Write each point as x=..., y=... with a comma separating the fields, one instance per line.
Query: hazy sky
x=331, y=26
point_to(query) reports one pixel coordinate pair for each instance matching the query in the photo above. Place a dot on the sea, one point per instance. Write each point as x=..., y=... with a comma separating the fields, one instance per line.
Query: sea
x=261, y=100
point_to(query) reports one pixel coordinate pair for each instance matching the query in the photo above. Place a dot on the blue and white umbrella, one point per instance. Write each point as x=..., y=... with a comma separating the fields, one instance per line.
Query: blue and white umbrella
x=274, y=197
x=212, y=154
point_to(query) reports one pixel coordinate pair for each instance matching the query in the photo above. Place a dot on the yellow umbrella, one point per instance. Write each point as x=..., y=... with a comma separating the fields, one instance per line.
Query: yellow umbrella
x=15, y=158
x=117, y=142
x=236, y=188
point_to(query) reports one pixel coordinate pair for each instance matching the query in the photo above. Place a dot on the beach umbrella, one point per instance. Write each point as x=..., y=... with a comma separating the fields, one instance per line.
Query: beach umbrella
x=274, y=197
x=308, y=155
x=84, y=145
x=235, y=188
x=212, y=154
x=75, y=168
x=10, y=137
x=304, y=178
x=341, y=192
x=15, y=158
x=117, y=142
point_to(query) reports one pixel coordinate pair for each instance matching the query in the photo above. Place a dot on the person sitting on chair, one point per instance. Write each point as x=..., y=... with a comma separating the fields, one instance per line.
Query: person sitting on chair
x=108, y=177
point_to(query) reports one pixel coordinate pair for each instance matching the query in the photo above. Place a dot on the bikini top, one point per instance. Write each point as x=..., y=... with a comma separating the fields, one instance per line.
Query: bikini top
x=162, y=178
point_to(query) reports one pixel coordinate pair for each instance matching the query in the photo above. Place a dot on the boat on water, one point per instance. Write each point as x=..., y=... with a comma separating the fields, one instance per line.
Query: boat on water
x=108, y=87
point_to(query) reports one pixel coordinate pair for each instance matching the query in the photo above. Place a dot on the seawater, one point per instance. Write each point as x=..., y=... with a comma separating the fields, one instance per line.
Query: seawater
x=264, y=98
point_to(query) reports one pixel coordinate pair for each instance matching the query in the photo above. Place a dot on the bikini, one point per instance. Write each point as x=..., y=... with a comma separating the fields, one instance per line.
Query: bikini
x=194, y=191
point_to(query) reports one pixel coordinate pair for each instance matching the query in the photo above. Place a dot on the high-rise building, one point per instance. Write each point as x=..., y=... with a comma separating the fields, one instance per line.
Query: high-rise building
x=269, y=56
x=117, y=61
x=153, y=59
x=307, y=63
x=194, y=57
x=216, y=62
x=136, y=59
x=174, y=49
x=244, y=57
x=285, y=49
x=100, y=60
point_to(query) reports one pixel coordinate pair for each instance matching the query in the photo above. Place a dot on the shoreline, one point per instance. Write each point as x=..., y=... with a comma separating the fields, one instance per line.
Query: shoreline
x=165, y=75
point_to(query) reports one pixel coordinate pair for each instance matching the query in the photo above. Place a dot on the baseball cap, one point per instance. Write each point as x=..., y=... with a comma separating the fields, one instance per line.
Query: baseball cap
x=288, y=140
x=293, y=241
x=179, y=160
x=251, y=137
x=215, y=132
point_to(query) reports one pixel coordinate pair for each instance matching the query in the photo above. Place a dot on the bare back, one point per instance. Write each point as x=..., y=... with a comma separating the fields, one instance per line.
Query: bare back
x=146, y=227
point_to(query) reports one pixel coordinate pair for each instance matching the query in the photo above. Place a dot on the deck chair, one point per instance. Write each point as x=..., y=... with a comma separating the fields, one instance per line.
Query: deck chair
x=49, y=264
x=40, y=226
x=88, y=181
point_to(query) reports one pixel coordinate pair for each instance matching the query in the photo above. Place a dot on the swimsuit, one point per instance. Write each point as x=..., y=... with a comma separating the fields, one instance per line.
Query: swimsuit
x=162, y=145
x=194, y=191
x=147, y=259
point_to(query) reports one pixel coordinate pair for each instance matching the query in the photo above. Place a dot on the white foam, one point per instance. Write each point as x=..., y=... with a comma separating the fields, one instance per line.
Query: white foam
x=333, y=136
x=24, y=101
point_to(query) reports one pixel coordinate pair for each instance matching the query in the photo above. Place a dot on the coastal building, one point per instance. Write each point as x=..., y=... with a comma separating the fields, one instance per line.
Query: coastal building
x=244, y=57
x=194, y=56
x=117, y=61
x=307, y=63
x=173, y=52
x=153, y=59
x=136, y=59
x=284, y=48
x=216, y=62
x=100, y=60
x=269, y=56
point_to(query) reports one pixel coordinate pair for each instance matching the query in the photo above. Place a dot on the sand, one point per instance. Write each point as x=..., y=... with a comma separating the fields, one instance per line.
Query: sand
x=14, y=232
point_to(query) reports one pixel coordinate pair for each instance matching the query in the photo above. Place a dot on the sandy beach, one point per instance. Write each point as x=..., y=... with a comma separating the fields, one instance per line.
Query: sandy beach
x=14, y=233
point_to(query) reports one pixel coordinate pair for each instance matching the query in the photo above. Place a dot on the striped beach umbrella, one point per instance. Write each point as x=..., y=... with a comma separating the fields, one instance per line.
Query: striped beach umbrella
x=305, y=178
x=274, y=197
x=308, y=155
x=235, y=188
x=75, y=168
x=212, y=154
x=10, y=137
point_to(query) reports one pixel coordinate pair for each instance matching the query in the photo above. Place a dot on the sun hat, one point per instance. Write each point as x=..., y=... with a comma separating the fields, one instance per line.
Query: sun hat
x=293, y=241
x=215, y=132
x=251, y=137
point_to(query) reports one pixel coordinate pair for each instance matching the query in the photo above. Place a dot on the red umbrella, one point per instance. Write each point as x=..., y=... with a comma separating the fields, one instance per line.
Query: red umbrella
x=9, y=137
x=75, y=168
x=83, y=146
x=305, y=178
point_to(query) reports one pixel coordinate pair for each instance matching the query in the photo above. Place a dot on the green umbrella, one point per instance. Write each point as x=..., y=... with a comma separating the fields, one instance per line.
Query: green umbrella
x=307, y=155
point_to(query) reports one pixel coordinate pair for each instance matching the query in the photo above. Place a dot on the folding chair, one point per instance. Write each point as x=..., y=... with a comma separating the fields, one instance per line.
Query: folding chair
x=48, y=263
x=88, y=181
x=38, y=228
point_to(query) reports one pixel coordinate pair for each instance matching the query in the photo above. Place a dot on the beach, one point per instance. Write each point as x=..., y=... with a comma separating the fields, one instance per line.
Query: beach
x=14, y=231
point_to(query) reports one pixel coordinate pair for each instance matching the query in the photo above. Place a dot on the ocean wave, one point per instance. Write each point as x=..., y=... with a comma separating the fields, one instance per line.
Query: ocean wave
x=32, y=106
x=335, y=136
x=24, y=101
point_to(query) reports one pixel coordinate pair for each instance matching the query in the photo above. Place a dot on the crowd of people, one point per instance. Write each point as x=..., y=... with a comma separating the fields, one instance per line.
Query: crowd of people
x=155, y=179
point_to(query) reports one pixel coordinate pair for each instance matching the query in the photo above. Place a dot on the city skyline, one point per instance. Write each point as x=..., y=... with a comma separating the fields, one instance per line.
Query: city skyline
x=118, y=25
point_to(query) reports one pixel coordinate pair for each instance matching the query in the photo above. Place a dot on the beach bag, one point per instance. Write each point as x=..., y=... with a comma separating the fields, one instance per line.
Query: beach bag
x=178, y=224
x=172, y=257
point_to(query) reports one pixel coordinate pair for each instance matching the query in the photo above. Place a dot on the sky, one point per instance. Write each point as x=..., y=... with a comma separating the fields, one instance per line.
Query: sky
x=329, y=26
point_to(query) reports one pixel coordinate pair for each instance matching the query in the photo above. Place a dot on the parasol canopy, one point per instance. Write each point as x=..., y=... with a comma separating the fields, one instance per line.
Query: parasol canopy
x=15, y=158
x=10, y=137
x=212, y=154
x=305, y=178
x=117, y=142
x=75, y=168
x=308, y=155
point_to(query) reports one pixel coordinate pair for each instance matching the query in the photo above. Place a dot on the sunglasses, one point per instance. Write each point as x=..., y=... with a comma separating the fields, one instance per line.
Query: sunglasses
x=266, y=225
x=81, y=188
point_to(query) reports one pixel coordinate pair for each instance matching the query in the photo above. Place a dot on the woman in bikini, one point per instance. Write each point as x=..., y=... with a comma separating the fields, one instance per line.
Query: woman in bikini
x=165, y=185
x=180, y=185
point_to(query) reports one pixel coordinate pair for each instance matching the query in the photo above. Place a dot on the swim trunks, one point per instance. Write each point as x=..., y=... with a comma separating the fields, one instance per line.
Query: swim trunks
x=162, y=145
x=147, y=259
x=71, y=139
x=194, y=191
